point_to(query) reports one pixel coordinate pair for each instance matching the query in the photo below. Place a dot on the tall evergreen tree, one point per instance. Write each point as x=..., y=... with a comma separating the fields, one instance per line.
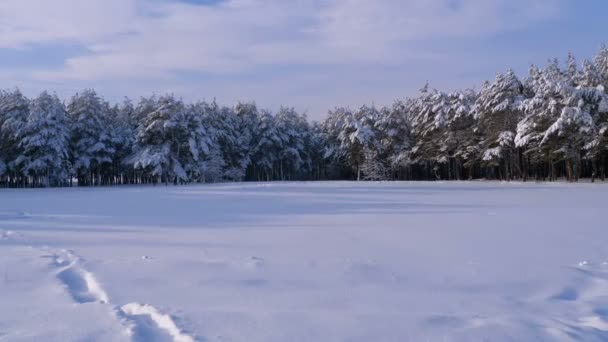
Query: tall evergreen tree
x=91, y=141
x=14, y=110
x=45, y=143
x=394, y=135
x=498, y=110
x=171, y=142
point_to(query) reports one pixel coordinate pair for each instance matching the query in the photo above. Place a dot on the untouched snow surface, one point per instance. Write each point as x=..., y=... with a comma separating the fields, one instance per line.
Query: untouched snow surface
x=306, y=262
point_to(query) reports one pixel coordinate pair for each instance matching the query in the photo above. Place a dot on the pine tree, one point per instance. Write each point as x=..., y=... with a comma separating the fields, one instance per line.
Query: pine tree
x=170, y=142
x=572, y=73
x=356, y=134
x=291, y=131
x=195, y=143
x=541, y=111
x=45, y=143
x=394, y=134
x=569, y=133
x=246, y=118
x=498, y=109
x=594, y=101
x=429, y=113
x=462, y=138
x=601, y=62
x=14, y=110
x=91, y=140
x=122, y=128
x=372, y=167
x=268, y=145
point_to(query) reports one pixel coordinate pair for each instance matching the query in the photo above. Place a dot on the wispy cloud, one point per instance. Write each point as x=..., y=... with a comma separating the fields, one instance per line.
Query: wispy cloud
x=142, y=40
x=127, y=38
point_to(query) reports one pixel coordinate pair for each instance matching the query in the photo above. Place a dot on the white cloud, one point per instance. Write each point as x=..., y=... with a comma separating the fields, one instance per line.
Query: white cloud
x=127, y=42
x=138, y=46
x=24, y=22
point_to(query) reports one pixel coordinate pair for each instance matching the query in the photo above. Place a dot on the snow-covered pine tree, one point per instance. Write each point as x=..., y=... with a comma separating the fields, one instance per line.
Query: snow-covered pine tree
x=594, y=100
x=498, y=109
x=589, y=77
x=246, y=116
x=332, y=153
x=14, y=110
x=122, y=128
x=372, y=167
x=213, y=165
x=540, y=112
x=393, y=133
x=91, y=141
x=196, y=143
x=212, y=120
x=304, y=134
x=291, y=130
x=171, y=143
x=601, y=63
x=528, y=133
x=571, y=130
x=462, y=138
x=153, y=148
x=429, y=113
x=44, y=141
x=220, y=123
x=268, y=145
x=572, y=73
x=356, y=134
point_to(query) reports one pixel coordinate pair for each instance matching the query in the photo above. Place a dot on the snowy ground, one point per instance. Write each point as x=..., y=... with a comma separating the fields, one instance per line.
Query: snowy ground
x=306, y=262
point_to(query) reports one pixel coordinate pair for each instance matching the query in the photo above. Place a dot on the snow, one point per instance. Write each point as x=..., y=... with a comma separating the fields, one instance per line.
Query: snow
x=162, y=321
x=327, y=261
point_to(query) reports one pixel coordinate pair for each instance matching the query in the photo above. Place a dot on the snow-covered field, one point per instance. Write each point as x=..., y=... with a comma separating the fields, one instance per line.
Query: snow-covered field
x=306, y=262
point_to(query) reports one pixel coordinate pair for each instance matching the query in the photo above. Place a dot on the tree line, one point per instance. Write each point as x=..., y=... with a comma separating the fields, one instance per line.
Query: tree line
x=551, y=124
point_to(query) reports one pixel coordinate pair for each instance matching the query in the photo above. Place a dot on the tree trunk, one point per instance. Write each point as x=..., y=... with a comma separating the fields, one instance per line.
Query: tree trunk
x=569, y=170
x=602, y=168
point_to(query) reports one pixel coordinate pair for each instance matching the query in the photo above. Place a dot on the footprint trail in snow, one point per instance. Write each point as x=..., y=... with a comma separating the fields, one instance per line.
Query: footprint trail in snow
x=143, y=322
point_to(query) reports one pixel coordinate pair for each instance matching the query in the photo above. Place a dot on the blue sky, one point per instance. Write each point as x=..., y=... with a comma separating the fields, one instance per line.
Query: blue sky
x=311, y=54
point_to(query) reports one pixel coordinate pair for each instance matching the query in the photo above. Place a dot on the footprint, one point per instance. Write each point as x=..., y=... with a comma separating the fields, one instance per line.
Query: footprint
x=80, y=283
x=82, y=286
x=152, y=325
